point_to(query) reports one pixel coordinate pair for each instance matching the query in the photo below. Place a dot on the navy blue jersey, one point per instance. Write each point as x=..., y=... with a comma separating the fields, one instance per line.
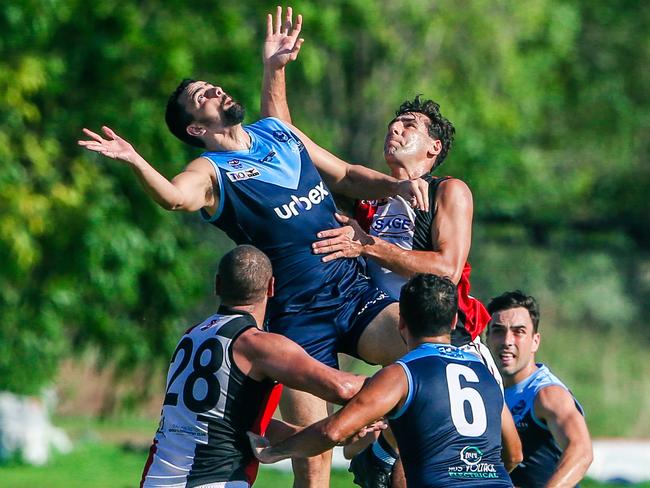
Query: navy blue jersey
x=271, y=196
x=541, y=452
x=449, y=428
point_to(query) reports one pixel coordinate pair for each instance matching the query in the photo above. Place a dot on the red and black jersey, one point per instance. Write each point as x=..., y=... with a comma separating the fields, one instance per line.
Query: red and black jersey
x=395, y=221
x=209, y=405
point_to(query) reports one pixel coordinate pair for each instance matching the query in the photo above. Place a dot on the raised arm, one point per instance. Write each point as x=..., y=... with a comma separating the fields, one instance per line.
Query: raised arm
x=556, y=406
x=357, y=181
x=189, y=191
x=281, y=46
x=276, y=357
x=451, y=235
x=382, y=393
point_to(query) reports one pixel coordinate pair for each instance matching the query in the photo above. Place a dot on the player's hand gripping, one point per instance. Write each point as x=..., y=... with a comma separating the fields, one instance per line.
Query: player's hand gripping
x=342, y=242
x=282, y=43
x=113, y=147
x=415, y=192
x=262, y=449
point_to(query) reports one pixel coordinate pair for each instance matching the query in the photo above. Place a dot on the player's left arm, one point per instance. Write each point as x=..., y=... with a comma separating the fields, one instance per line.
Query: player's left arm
x=451, y=234
x=511, y=452
x=557, y=408
x=385, y=391
x=358, y=181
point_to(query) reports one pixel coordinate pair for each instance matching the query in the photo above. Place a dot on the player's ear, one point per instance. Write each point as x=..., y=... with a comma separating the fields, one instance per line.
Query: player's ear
x=270, y=291
x=195, y=130
x=454, y=322
x=537, y=339
x=435, y=148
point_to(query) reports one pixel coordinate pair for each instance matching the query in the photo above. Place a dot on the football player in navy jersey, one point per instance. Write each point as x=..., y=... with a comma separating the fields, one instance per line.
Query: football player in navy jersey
x=267, y=184
x=397, y=239
x=443, y=405
x=551, y=424
x=222, y=383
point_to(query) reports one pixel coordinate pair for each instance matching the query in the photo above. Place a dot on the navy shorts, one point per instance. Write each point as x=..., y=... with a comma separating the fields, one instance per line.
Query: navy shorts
x=326, y=331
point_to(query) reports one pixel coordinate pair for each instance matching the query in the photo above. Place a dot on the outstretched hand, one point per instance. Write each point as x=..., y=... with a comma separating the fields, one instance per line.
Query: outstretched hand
x=282, y=43
x=342, y=242
x=113, y=147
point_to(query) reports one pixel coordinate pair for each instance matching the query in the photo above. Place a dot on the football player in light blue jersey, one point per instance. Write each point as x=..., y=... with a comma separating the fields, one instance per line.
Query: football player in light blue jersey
x=267, y=184
x=442, y=403
x=550, y=421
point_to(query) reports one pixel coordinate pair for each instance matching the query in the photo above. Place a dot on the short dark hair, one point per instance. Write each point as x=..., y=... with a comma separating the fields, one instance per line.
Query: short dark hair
x=439, y=128
x=177, y=117
x=245, y=273
x=515, y=299
x=428, y=305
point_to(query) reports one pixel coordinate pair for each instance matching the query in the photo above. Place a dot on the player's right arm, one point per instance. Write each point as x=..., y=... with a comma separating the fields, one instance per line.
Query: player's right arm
x=278, y=358
x=383, y=393
x=281, y=46
x=189, y=191
x=557, y=407
x=511, y=451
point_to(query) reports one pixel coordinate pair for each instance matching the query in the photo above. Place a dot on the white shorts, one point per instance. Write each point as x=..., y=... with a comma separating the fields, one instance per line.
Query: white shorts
x=480, y=350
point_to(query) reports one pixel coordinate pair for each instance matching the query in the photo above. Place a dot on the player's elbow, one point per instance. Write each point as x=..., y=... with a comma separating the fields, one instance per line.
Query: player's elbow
x=346, y=390
x=333, y=434
x=512, y=460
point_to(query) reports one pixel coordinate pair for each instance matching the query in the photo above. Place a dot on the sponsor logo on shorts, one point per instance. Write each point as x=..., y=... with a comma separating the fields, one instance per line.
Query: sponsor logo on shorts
x=280, y=136
x=378, y=298
x=303, y=203
x=243, y=175
x=235, y=164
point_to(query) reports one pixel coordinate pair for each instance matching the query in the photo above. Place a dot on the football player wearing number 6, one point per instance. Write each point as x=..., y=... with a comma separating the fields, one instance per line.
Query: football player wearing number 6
x=222, y=383
x=443, y=405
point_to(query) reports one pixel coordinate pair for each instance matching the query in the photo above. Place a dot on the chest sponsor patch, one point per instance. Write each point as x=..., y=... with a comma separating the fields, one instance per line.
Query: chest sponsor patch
x=244, y=174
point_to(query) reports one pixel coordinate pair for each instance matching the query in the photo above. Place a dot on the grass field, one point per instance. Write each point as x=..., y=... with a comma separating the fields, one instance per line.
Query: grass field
x=112, y=454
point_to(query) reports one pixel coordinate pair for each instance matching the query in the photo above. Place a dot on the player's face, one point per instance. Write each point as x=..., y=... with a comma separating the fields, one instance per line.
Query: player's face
x=408, y=139
x=211, y=105
x=513, y=342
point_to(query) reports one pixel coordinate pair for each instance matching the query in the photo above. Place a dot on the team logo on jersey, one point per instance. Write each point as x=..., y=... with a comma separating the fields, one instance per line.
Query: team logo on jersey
x=450, y=351
x=235, y=164
x=280, y=136
x=471, y=455
x=269, y=157
x=246, y=174
x=392, y=224
x=305, y=203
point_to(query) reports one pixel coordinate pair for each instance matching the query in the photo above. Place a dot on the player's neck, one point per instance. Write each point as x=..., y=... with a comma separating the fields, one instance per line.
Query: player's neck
x=410, y=171
x=521, y=375
x=233, y=138
x=257, y=310
x=413, y=342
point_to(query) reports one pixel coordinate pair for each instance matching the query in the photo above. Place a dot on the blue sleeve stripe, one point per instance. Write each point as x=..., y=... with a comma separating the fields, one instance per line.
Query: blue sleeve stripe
x=409, y=395
x=222, y=194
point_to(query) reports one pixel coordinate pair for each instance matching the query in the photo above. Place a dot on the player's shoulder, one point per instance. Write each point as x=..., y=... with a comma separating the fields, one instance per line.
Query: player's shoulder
x=451, y=186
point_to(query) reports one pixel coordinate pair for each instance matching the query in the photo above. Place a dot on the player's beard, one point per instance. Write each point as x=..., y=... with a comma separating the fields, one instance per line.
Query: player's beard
x=234, y=114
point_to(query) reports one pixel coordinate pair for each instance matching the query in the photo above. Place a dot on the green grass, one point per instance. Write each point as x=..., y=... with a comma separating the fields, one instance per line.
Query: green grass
x=101, y=464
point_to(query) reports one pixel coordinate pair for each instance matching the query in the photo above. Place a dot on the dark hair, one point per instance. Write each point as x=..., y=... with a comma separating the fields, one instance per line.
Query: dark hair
x=428, y=305
x=514, y=299
x=178, y=118
x=245, y=273
x=439, y=128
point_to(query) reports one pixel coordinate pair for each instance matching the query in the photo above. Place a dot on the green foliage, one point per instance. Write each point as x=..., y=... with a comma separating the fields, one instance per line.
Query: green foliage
x=549, y=101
